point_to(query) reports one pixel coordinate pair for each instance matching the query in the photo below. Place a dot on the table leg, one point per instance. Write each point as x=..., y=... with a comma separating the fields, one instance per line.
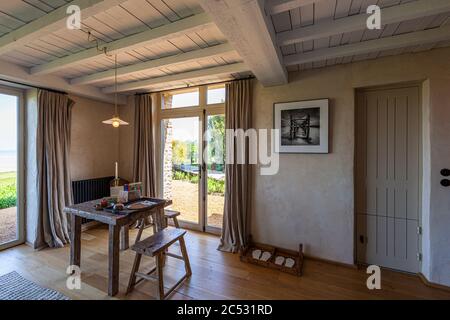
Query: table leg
x=124, y=237
x=113, y=268
x=75, y=240
x=160, y=221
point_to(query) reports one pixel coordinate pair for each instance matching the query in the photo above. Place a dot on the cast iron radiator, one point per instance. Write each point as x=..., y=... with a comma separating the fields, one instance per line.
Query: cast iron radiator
x=90, y=189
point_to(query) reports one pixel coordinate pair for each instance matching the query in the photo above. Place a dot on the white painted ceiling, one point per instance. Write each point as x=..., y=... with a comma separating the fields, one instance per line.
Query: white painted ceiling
x=128, y=18
x=325, y=10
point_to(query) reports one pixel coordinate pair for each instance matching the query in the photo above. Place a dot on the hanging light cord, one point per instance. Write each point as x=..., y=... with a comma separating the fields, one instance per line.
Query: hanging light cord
x=115, y=86
x=104, y=50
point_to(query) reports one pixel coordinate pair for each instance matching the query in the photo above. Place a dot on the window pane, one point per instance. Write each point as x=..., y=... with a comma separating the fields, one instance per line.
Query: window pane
x=216, y=94
x=181, y=166
x=181, y=99
x=215, y=165
x=8, y=168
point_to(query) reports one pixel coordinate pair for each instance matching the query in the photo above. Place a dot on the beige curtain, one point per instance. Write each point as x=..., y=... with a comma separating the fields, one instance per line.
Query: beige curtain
x=144, y=155
x=54, y=180
x=236, y=218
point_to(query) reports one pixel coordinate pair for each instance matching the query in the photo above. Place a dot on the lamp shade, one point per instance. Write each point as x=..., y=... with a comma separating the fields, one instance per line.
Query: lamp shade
x=116, y=122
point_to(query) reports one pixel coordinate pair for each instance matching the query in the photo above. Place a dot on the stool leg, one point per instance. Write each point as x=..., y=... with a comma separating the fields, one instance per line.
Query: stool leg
x=187, y=264
x=132, y=282
x=175, y=222
x=141, y=229
x=159, y=266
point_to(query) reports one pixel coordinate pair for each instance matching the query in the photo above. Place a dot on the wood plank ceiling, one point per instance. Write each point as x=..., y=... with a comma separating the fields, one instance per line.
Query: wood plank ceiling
x=318, y=12
x=154, y=52
x=119, y=22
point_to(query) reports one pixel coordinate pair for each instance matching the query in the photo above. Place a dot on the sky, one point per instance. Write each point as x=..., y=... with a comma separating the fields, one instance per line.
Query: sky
x=8, y=125
x=186, y=129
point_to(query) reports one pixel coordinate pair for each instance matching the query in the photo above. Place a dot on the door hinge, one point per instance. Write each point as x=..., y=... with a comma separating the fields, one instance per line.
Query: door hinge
x=419, y=230
x=419, y=256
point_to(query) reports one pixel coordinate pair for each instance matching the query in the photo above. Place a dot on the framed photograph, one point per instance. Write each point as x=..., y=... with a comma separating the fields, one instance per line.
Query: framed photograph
x=303, y=126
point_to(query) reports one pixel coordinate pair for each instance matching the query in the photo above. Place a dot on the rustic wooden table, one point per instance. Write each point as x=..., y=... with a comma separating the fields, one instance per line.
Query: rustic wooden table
x=116, y=223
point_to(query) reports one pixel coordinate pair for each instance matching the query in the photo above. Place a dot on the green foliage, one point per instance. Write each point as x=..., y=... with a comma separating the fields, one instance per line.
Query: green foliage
x=184, y=176
x=8, y=193
x=179, y=151
x=216, y=139
x=214, y=186
x=184, y=152
x=192, y=152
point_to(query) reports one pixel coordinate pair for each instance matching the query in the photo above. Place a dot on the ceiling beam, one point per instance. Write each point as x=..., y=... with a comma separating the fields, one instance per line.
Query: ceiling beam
x=278, y=6
x=51, y=22
x=250, y=31
x=13, y=72
x=186, y=57
x=398, y=13
x=190, y=75
x=388, y=43
x=145, y=38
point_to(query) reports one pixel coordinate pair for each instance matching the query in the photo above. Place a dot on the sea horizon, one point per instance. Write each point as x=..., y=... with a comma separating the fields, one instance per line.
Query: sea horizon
x=8, y=161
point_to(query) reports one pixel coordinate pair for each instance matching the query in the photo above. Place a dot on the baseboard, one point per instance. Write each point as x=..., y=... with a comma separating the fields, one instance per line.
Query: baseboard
x=337, y=263
x=432, y=284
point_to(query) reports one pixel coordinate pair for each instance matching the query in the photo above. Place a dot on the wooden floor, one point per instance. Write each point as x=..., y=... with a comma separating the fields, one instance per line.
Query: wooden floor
x=216, y=275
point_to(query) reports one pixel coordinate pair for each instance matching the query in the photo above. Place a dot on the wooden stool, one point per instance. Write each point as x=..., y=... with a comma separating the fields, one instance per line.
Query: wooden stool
x=155, y=246
x=171, y=214
x=168, y=214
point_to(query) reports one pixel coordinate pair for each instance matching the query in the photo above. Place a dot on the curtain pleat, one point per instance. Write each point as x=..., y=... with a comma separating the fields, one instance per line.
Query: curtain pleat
x=54, y=179
x=144, y=156
x=236, y=218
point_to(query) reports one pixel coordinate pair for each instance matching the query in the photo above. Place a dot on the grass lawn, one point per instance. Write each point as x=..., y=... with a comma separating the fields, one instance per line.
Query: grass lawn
x=8, y=194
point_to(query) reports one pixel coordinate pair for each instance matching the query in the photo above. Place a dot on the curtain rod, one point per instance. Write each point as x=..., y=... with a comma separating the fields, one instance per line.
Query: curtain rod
x=188, y=86
x=32, y=86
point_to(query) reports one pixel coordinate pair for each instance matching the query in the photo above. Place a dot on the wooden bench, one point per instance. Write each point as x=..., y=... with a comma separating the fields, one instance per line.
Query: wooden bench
x=172, y=214
x=156, y=246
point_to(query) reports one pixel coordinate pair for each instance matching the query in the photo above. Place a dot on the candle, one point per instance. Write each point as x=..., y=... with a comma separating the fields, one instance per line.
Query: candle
x=117, y=171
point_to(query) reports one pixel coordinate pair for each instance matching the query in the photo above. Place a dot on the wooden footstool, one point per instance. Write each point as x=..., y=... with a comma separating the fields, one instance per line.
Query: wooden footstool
x=156, y=246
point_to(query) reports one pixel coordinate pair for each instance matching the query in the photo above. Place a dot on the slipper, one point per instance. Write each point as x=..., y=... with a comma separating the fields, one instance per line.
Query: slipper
x=279, y=260
x=256, y=254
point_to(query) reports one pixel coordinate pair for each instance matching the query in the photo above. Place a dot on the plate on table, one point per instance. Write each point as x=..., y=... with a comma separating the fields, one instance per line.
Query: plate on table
x=140, y=205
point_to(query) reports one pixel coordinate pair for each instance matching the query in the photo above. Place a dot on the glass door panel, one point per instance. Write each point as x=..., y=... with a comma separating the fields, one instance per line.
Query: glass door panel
x=181, y=169
x=9, y=222
x=215, y=170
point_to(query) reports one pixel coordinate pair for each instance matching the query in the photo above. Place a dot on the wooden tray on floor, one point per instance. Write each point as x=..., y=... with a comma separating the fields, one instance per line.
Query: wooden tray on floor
x=297, y=256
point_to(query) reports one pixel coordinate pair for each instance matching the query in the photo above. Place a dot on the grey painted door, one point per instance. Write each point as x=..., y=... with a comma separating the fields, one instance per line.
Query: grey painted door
x=388, y=167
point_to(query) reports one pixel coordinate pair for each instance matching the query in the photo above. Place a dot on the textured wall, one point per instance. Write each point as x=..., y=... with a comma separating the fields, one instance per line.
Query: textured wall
x=126, y=138
x=95, y=146
x=440, y=197
x=31, y=195
x=311, y=199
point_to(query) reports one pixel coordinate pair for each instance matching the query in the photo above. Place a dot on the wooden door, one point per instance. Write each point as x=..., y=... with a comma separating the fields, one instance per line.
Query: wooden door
x=388, y=170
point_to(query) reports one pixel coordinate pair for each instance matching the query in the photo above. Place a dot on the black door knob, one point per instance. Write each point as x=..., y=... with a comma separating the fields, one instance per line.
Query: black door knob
x=445, y=183
x=445, y=172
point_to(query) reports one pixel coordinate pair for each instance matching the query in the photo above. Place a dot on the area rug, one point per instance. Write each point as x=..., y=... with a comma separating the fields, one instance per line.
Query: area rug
x=15, y=287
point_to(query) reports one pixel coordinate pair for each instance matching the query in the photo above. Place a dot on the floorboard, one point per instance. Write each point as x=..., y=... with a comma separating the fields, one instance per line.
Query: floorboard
x=216, y=275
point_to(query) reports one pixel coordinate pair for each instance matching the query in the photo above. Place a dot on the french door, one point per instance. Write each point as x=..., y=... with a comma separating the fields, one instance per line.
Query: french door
x=193, y=157
x=11, y=168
